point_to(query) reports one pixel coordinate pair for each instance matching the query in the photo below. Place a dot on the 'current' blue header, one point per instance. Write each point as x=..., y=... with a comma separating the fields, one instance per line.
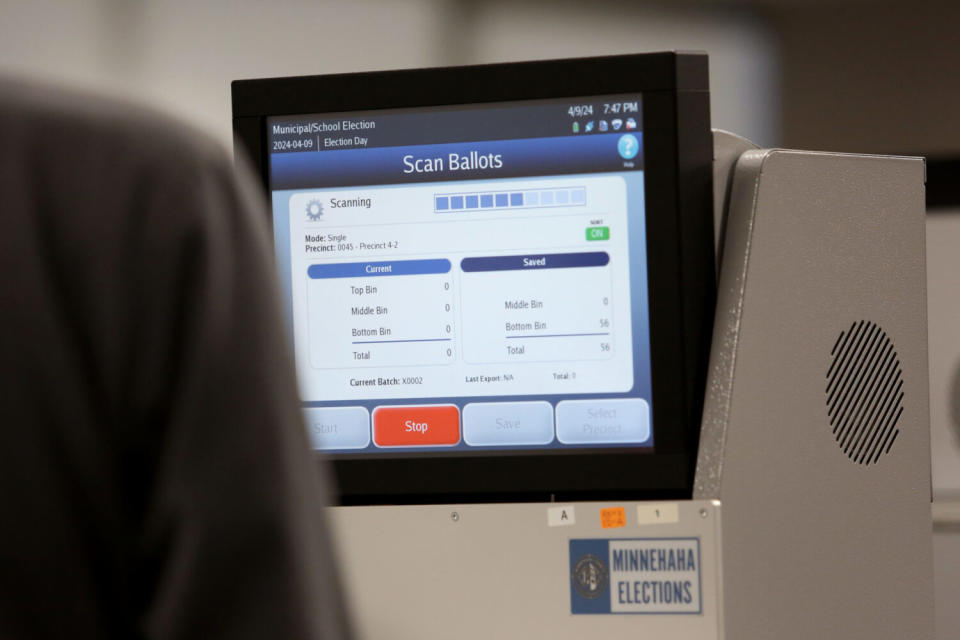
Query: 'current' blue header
x=457, y=161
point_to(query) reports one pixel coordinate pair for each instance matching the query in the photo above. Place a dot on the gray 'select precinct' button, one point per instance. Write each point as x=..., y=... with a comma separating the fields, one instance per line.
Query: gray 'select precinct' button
x=338, y=427
x=619, y=420
x=489, y=424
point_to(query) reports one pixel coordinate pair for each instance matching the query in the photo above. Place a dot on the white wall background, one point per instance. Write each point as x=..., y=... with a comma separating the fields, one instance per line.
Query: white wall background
x=943, y=309
x=181, y=55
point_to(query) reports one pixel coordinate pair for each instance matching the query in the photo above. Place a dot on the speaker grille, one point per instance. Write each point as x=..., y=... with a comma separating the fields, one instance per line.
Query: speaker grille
x=864, y=392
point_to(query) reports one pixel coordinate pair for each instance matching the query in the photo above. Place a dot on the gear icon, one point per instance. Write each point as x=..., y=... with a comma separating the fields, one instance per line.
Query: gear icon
x=314, y=210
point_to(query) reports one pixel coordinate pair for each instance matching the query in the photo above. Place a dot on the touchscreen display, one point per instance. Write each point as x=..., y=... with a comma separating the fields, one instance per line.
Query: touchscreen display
x=467, y=278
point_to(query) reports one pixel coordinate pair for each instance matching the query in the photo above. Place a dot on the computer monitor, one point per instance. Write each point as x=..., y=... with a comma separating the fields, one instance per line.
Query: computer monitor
x=498, y=280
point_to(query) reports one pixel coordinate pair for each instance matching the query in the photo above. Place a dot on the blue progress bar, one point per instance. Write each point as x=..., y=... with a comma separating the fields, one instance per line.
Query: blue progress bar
x=525, y=199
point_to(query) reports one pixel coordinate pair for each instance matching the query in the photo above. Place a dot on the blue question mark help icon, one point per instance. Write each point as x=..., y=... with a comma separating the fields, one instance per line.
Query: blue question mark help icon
x=628, y=146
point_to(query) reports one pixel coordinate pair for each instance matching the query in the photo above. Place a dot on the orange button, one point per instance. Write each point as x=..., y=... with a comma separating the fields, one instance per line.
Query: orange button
x=412, y=426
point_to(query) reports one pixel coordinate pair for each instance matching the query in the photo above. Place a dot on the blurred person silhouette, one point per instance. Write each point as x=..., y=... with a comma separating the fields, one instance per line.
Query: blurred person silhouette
x=155, y=477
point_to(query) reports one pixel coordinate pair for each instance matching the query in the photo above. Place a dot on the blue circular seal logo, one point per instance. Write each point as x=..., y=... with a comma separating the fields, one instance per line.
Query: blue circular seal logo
x=589, y=577
x=628, y=146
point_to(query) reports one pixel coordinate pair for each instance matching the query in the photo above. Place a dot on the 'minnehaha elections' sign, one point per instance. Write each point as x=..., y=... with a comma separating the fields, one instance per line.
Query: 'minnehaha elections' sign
x=639, y=575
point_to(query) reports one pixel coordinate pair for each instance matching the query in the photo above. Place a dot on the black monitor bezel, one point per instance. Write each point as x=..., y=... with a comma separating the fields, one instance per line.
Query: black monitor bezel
x=678, y=156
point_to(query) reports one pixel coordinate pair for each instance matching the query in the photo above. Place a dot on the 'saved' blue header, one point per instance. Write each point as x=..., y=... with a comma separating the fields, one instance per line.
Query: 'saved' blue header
x=453, y=161
x=535, y=261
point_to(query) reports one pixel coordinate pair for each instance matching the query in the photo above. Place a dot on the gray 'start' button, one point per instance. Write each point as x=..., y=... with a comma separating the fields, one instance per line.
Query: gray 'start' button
x=338, y=427
x=611, y=421
x=489, y=424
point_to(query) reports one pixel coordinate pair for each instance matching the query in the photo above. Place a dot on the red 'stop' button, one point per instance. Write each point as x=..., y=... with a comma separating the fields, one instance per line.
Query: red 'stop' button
x=412, y=426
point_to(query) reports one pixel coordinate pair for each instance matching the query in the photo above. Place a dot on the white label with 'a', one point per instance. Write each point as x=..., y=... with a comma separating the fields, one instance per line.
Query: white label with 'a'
x=560, y=516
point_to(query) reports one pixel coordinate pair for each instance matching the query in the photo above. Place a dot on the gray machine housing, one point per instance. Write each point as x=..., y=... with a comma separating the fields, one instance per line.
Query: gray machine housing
x=799, y=538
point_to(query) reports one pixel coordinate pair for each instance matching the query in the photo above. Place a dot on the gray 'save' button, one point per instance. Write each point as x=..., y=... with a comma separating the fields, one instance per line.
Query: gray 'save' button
x=488, y=424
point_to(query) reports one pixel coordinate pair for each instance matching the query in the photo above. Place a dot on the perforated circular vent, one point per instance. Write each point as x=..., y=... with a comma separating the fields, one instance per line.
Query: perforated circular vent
x=864, y=392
